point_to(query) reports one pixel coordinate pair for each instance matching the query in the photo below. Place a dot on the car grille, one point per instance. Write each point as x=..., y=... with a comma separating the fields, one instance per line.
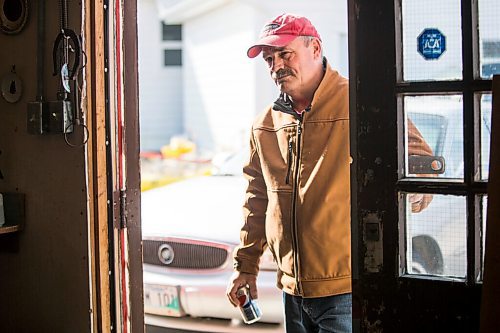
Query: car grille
x=188, y=254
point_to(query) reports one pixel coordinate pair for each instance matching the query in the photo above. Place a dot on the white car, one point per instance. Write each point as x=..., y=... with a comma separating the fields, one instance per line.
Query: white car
x=190, y=229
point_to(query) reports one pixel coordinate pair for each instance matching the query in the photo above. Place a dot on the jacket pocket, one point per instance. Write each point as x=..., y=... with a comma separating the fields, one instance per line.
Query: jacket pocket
x=276, y=155
x=278, y=229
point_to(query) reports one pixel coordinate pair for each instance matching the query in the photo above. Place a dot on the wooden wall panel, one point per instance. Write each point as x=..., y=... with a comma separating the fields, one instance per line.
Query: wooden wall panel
x=44, y=269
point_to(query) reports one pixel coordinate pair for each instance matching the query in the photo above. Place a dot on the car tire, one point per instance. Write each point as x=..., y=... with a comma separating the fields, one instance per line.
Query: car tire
x=426, y=256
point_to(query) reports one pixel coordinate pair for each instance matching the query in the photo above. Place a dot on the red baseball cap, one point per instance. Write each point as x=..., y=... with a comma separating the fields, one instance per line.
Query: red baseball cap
x=281, y=31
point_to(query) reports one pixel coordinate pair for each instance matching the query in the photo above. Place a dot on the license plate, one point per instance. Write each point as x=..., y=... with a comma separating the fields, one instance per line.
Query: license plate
x=162, y=300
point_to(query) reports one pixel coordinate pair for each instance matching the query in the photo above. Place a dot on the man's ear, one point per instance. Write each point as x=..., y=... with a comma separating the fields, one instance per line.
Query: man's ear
x=317, y=47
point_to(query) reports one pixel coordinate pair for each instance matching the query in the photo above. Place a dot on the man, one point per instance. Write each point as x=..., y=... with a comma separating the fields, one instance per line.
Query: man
x=298, y=196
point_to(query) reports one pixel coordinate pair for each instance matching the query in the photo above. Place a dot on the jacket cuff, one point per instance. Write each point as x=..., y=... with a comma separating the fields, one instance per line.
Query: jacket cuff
x=245, y=267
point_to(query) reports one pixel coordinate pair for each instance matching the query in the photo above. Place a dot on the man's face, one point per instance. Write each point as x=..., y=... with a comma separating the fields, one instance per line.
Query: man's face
x=291, y=67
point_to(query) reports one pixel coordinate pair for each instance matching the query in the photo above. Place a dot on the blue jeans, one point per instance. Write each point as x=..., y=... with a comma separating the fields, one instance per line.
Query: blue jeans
x=318, y=315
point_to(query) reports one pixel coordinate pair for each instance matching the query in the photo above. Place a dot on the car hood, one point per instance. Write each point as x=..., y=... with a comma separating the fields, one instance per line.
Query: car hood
x=203, y=208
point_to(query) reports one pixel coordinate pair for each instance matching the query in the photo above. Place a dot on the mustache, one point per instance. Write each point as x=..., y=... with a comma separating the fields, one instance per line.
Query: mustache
x=282, y=73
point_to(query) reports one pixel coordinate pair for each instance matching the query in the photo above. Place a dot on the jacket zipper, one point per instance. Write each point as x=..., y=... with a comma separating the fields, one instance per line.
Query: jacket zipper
x=289, y=162
x=294, y=208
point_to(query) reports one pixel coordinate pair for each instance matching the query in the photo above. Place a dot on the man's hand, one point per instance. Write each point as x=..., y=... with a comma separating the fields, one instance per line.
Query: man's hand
x=239, y=280
x=419, y=201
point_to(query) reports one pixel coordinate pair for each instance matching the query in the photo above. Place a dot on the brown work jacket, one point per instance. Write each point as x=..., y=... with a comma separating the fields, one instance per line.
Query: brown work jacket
x=298, y=196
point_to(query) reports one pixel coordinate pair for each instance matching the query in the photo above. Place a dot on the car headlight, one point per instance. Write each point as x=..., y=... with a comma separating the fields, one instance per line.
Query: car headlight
x=267, y=262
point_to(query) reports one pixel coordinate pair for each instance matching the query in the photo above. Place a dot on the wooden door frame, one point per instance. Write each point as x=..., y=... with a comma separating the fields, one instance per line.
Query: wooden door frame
x=105, y=205
x=132, y=135
x=97, y=165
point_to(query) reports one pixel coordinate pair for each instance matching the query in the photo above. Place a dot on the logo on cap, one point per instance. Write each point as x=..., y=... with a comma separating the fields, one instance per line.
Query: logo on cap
x=269, y=27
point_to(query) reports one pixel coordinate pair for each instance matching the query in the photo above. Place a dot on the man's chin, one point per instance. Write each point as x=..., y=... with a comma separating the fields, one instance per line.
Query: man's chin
x=285, y=82
x=284, y=88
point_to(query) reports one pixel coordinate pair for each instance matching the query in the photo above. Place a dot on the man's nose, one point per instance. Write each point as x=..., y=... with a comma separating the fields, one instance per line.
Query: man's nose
x=277, y=63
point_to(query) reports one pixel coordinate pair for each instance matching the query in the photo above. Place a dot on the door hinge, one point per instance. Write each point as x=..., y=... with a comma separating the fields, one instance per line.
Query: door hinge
x=123, y=209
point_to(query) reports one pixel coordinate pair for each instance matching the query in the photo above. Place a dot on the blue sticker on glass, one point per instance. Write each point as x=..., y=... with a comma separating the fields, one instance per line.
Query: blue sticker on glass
x=431, y=43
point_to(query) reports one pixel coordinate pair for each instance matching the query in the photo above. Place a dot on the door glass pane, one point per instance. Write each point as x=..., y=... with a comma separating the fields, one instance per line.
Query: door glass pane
x=432, y=48
x=485, y=129
x=436, y=235
x=433, y=136
x=489, y=37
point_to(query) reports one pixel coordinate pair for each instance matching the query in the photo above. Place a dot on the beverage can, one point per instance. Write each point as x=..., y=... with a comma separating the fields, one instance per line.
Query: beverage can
x=249, y=308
